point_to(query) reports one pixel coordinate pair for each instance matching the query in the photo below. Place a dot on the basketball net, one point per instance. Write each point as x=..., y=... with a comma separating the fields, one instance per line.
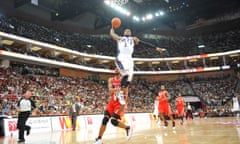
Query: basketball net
x=117, y=2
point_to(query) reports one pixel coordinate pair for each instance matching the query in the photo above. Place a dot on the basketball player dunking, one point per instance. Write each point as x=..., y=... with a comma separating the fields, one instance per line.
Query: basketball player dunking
x=180, y=103
x=124, y=60
x=115, y=108
x=164, y=107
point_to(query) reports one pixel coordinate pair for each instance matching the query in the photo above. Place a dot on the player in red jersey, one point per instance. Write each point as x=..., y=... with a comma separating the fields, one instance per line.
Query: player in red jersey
x=164, y=107
x=180, y=103
x=115, y=108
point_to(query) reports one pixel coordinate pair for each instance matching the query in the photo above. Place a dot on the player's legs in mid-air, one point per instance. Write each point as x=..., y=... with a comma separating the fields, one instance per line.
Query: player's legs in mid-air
x=125, y=68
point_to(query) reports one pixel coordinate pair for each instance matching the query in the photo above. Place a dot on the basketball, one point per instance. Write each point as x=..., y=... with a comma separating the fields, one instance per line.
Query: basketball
x=116, y=22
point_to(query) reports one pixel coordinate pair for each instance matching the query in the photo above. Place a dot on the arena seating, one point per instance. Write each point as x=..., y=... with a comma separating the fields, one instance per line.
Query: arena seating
x=104, y=45
x=215, y=90
x=54, y=92
x=54, y=97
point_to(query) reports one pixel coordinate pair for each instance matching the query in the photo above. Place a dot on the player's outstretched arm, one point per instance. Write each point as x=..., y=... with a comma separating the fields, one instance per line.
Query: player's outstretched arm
x=114, y=35
x=152, y=46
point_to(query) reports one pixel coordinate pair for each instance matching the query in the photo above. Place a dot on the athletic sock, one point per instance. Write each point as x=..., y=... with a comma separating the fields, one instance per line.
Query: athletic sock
x=99, y=137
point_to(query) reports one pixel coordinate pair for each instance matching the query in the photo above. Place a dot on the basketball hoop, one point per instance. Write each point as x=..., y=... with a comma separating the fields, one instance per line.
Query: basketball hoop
x=116, y=2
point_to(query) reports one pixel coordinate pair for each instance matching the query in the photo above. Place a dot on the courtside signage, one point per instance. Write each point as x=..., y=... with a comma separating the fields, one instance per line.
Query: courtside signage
x=38, y=124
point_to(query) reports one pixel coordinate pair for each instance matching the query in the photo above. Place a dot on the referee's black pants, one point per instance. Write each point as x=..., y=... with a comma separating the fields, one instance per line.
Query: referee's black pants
x=189, y=114
x=21, y=124
x=74, y=120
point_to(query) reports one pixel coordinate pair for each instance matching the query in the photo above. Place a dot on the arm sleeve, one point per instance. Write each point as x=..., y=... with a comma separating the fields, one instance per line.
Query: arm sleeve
x=147, y=44
x=33, y=104
x=18, y=104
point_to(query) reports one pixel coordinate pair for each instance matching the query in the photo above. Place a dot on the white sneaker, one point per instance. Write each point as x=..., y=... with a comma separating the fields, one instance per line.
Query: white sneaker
x=129, y=133
x=99, y=141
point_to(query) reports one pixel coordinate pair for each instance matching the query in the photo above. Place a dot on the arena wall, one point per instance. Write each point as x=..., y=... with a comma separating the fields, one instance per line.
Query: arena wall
x=63, y=123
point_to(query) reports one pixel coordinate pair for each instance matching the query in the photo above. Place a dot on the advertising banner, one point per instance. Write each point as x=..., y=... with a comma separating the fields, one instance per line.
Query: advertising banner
x=38, y=124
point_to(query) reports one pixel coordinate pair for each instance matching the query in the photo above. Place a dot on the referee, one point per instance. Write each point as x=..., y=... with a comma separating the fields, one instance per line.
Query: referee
x=24, y=108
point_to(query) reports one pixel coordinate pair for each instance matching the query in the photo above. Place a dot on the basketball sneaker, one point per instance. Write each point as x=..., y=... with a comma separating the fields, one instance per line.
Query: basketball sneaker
x=98, y=141
x=165, y=124
x=129, y=131
x=181, y=123
x=28, y=130
x=173, y=125
x=21, y=141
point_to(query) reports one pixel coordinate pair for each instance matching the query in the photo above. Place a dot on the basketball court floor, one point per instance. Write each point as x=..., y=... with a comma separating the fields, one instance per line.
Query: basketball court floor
x=196, y=131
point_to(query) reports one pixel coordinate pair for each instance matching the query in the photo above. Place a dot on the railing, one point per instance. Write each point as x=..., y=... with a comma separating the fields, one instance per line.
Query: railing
x=30, y=43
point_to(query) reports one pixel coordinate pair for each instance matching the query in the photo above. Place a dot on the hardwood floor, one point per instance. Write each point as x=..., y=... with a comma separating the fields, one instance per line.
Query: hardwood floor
x=196, y=131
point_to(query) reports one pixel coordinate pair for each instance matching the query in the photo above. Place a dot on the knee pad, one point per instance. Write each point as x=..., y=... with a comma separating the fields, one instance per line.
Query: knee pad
x=105, y=121
x=124, y=81
x=116, y=116
x=114, y=122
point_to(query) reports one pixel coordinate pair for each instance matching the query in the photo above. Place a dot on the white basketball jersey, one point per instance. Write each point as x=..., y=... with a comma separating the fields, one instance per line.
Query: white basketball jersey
x=156, y=102
x=155, y=111
x=235, y=104
x=125, y=46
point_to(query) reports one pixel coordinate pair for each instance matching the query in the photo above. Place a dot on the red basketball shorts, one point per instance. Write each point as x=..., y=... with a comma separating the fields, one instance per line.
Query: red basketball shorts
x=180, y=111
x=114, y=107
x=165, y=108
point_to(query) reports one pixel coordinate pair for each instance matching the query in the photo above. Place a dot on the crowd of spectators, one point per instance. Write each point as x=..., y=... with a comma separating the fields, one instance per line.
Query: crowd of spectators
x=216, y=90
x=53, y=93
x=104, y=45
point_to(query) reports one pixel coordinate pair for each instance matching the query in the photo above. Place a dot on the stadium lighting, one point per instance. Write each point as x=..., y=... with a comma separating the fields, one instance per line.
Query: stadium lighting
x=128, y=13
x=107, y=2
x=117, y=8
x=89, y=46
x=149, y=16
x=225, y=67
x=161, y=13
x=201, y=46
x=136, y=18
